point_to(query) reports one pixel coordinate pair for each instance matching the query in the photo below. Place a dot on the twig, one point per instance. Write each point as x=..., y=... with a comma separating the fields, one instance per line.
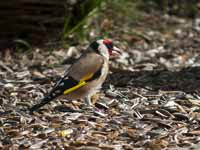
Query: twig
x=18, y=81
x=5, y=67
x=144, y=98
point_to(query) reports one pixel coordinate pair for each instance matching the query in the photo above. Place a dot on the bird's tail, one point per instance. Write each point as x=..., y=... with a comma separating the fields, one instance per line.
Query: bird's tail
x=44, y=101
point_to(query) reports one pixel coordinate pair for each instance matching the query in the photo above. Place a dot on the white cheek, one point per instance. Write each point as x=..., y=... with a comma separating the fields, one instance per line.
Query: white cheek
x=104, y=51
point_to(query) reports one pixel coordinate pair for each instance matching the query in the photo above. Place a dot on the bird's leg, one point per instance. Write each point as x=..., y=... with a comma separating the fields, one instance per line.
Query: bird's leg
x=95, y=98
x=88, y=104
x=88, y=101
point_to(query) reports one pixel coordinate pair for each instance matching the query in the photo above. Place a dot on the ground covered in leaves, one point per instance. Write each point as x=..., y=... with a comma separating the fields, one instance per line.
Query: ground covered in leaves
x=150, y=100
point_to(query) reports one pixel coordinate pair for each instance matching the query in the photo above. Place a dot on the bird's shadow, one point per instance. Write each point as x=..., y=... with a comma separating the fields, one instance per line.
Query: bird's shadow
x=186, y=80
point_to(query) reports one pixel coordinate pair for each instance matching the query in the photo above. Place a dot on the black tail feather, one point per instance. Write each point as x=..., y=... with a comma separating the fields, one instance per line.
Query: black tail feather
x=57, y=90
x=42, y=103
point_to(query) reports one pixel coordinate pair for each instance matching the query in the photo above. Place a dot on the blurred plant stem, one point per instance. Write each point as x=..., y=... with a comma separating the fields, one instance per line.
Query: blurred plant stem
x=75, y=21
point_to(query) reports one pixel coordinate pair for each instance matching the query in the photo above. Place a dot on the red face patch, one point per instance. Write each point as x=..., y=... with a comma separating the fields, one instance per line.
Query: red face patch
x=109, y=45
x=107, y=42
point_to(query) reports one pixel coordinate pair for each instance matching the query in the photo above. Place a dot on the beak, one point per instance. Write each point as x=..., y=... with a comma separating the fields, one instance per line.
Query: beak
x=116, y=51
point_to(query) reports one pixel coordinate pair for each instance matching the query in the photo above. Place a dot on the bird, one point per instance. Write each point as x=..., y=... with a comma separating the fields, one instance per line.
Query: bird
x=85, y=76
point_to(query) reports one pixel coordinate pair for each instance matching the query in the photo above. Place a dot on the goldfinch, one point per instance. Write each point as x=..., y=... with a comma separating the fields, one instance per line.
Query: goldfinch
x=85, y=77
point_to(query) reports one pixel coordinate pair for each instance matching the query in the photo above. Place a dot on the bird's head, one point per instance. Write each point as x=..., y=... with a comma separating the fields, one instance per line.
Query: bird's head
x=105, y=48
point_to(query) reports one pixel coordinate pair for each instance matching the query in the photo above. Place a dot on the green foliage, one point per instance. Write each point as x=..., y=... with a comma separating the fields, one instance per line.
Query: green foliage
x=22, y=43
x=81, y=12
x=91, y=25
x=126, y=11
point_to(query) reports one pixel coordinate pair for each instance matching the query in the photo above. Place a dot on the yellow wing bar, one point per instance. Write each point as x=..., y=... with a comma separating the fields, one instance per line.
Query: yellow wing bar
x=82, y=83
x=88, y=76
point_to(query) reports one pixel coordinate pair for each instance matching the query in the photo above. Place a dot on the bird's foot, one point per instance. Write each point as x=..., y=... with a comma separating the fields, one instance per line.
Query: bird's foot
x=88, y=107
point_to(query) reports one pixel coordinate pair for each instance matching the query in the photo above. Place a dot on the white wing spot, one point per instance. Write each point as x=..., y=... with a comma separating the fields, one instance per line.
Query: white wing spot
x=58, y=83
x=61, y=84
x=57, y=91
